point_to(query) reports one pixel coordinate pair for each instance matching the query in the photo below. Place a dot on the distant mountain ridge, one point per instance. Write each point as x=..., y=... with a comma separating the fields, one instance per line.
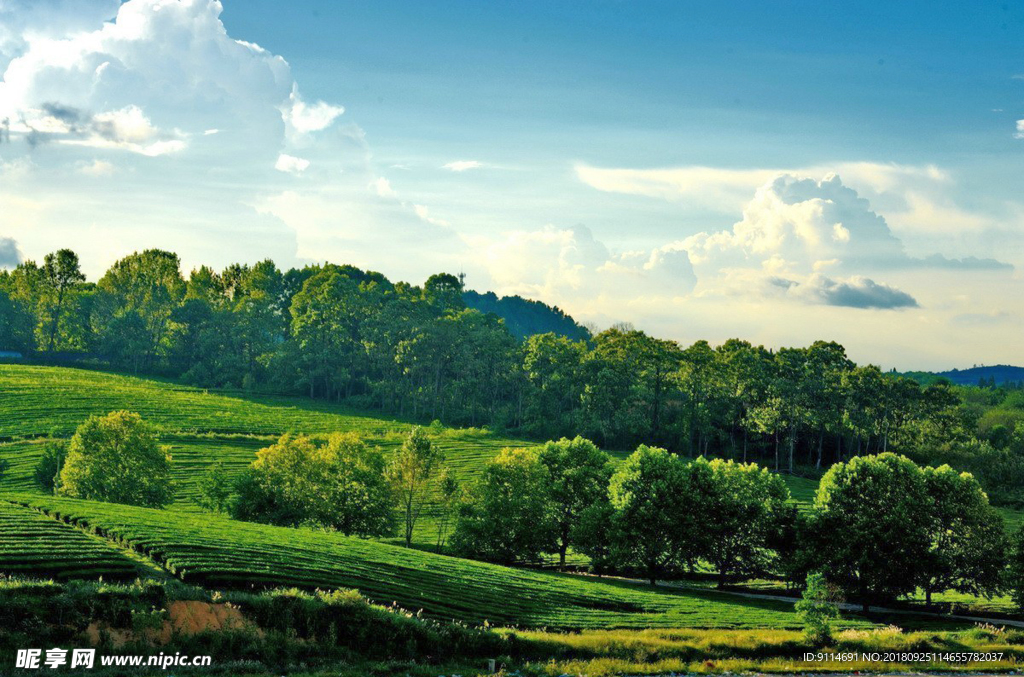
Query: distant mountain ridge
x=998, y=374
x=524, y=317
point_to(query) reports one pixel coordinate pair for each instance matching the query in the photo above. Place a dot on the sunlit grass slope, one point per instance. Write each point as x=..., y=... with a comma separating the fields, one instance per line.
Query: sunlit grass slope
x=32, y=544
x=216, y=551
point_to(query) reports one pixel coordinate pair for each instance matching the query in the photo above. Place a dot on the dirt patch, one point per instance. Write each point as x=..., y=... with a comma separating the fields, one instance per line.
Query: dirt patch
x=184, y=618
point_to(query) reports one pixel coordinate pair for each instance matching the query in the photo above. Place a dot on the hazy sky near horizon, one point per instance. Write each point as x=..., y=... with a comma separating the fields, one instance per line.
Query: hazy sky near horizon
x=780, y=172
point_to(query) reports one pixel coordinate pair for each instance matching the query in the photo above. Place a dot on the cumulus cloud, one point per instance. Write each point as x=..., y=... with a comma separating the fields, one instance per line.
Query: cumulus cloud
x=1020, y=130
x=134, y=83
x=291, y=164
x=10, y=255
x=462, y=165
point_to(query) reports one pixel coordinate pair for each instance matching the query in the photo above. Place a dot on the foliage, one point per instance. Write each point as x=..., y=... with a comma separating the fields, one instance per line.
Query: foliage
x=339, y=485
x=116, y=458
x=507, y=516
x=743, y=511
x=649, y=494
x=818, y=608
x=968, y=541
x=410, y=471
x=47, y=471
x=871, y=526
x=214, y=488
x=578, y=473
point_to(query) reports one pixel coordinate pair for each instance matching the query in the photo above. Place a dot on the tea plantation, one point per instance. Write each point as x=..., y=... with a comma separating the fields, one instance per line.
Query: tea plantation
x=33, y=544
x=218, y=552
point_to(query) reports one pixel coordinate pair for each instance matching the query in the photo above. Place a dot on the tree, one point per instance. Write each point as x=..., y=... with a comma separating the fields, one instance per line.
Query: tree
x=136, y=298
x=338, y=485
x=214, y=487
x=50, y=464
x=818, y=607
x=507, y=516
x=648, y=492
x=410, y=472
x=116, y=458
x=741, y=508
x=871, y=522
x=61, y=273
x=968, y=541
x=579, y=474
x=449, y=495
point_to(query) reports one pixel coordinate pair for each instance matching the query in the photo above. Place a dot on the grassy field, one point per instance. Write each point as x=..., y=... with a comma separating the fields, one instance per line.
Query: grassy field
x=216, y=551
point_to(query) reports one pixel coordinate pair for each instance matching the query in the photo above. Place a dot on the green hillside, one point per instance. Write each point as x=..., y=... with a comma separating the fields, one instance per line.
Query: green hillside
x=33, y=544
x=220, y=552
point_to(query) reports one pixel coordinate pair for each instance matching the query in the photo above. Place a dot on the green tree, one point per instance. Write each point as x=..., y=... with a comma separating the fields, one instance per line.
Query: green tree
x=818, y=608
x=215, y=487
x=649, y=494
x=410, y=472
x=579, y=473
x=61, y=273
x=116, y=458
x=741, y=508
x=47, y=473
x=133, y=311
x=507, y=516
x=871, y=522
x=449, y=494
x=968, y=540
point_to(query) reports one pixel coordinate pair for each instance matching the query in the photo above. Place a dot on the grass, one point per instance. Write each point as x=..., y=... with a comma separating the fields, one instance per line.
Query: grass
x=218, y=552
x=33, y=544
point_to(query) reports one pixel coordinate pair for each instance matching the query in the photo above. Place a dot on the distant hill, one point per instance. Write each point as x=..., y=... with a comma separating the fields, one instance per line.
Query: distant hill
x=524, y=317
x=995, y=375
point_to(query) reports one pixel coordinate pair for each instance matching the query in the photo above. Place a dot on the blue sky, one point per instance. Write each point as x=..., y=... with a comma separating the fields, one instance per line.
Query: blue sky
x=777, y=171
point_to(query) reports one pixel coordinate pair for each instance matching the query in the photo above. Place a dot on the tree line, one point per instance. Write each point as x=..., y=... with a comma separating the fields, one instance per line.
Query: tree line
x=880, y=526
x=340, y=333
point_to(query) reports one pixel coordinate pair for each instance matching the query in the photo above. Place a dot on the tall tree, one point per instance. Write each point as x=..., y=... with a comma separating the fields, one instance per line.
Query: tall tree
x=410, y=472
x=649, y=495
x=61, y=273
x=579, y=473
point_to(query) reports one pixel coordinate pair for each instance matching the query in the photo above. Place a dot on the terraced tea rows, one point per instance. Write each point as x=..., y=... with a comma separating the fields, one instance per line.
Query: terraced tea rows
x=32, y=544
x=220, y=552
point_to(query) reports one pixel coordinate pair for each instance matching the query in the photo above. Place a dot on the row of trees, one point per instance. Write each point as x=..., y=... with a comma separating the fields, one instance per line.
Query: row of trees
x=338, y=332
x=880, y=526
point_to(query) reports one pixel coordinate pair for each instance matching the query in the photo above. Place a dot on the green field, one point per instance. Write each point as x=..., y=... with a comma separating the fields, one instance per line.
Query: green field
x=201, y=428
x=34, y=544
x=216, y=551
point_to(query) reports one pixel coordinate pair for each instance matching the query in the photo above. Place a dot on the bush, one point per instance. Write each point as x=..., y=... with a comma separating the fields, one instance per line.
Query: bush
x=116, y=458
x=818, y=608
x=339, y=485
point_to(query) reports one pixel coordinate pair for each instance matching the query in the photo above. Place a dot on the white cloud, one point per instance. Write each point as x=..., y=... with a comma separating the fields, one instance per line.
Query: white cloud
x=383, y=188
x=462, y=165
x=569, y=267
x=1020, y=130
x=291, y=164
x=305, y=118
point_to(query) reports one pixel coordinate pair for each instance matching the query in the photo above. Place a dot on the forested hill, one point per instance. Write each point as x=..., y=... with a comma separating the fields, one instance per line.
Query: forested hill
x=995, y=375
x=524, y=317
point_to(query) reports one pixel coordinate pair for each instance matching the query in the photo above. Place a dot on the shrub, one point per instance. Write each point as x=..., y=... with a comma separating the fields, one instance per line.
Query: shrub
x=818, y=608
